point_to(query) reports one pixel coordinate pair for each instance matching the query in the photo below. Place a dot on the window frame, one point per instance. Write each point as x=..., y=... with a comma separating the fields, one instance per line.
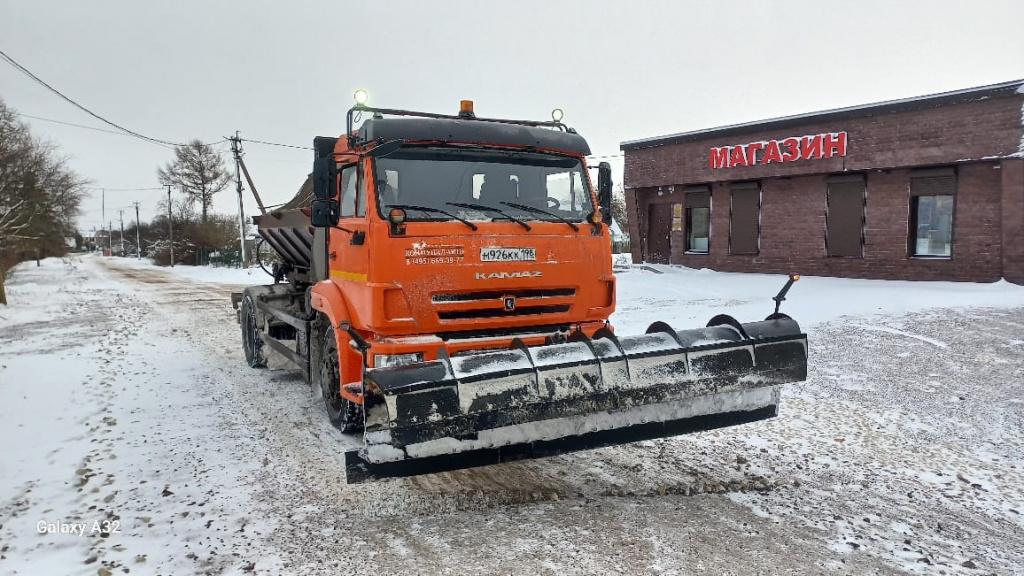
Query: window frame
x=341, y=191
x=912, y=209
x=580, y=188
x=688, y=207
x=912, y=225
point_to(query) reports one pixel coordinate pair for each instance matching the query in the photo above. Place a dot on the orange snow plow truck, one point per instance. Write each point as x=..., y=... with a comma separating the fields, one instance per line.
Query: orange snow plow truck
x=446, y=282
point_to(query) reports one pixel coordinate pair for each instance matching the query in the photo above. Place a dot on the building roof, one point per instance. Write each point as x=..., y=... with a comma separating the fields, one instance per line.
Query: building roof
x=1004, y=89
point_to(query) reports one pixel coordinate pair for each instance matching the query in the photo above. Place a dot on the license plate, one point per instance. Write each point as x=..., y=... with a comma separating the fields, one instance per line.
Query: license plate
x=508, y=254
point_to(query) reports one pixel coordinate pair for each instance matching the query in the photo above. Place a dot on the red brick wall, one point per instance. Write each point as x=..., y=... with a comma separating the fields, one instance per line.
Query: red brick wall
x=989, y=210
x=943, y=135
x=793, y=229
x=1013, y=219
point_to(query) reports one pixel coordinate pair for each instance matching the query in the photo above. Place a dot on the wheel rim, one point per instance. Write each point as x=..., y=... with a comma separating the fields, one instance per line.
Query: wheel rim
x=330, y=376
x=252, y=333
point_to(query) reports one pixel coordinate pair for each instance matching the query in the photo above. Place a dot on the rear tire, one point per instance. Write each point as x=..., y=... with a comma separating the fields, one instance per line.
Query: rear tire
x=345, y=415
x=251, y=342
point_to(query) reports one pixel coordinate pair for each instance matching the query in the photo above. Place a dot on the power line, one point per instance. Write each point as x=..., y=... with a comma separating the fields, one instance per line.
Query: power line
x=39, y=80
x=88, y=210
x=72, y=124
x=275, y=144
x=121, y=189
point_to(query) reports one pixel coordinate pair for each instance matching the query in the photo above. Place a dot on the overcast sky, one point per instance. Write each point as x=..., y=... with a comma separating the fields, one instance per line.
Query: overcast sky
x=285, y=71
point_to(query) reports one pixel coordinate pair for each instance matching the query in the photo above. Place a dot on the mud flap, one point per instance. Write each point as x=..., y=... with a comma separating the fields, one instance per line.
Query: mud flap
x=533, y=402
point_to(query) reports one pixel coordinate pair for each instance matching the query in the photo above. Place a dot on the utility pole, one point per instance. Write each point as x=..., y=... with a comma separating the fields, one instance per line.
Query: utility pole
x=121, y=216
x=103, y=191
x=110, y=237
x=138, y=233
x=170, y=225
x=236, y=147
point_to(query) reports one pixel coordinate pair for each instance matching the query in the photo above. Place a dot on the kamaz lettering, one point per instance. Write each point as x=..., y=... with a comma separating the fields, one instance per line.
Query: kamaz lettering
x=498, y=275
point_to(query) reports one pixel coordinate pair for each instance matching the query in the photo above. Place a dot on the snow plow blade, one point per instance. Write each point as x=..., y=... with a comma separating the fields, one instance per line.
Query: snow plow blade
x=531, y=402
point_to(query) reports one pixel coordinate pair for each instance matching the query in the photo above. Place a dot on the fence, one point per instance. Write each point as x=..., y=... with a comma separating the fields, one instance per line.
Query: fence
x=221, y=258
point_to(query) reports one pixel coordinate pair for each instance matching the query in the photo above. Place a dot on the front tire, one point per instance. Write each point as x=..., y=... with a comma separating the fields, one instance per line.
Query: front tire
x=345, y=415
x=251, y=342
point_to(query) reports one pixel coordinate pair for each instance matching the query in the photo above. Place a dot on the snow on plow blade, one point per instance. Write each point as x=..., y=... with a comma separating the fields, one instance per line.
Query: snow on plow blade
x=532, y=402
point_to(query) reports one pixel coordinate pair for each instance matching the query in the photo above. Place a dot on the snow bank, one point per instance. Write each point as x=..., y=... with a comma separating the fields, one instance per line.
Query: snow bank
x=685, y=297
x=213, y=274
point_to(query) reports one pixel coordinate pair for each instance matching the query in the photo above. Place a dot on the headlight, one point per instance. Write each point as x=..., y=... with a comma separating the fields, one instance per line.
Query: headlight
x=390, y=360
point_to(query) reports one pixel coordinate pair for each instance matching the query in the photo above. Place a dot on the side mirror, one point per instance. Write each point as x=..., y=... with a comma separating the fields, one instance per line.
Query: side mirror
x=324, y=213
x=325, y=178
x=604, y=191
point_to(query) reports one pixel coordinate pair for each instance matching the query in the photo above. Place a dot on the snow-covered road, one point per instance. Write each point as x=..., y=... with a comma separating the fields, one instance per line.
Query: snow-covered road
x=125, y=405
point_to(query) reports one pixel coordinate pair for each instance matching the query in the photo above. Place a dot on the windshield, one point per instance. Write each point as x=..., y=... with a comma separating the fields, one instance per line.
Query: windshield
x=457, y=180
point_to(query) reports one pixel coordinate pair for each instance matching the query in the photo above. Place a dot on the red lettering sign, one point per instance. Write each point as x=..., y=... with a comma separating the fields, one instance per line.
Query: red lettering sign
x=719, y=157
x=737, y=158
x=811, y=147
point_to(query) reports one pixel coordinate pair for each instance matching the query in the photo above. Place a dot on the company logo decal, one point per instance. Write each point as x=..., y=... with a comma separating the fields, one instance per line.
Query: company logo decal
x=498, y=275
x=422, y=253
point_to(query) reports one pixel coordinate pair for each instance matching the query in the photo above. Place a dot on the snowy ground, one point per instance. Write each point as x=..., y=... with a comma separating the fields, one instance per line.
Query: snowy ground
x=125, y=406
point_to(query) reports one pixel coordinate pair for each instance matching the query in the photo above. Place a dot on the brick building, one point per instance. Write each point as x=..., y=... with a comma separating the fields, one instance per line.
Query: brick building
x=928, y=188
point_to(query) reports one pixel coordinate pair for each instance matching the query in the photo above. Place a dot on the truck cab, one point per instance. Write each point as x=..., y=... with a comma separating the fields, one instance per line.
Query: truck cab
x=445, y=235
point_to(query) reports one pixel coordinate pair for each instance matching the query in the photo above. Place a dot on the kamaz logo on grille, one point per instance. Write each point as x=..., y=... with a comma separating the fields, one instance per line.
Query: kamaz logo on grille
x=499, y=275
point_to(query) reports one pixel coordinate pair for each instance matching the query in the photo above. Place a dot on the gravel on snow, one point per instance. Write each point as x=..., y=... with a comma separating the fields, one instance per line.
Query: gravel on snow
x=124, y=397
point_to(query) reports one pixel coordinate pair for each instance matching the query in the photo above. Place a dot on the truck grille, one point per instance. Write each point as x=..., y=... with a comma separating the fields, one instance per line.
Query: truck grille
x=498, y=294
x=501, y=312
x=492, y=303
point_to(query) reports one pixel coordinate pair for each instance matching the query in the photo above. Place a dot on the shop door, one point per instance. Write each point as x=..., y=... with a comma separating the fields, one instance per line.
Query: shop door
x=659, y=225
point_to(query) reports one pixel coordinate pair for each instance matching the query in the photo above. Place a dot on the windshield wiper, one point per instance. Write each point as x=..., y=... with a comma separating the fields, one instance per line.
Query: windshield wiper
x=435, y=210
x=490, y=209
x=539, y=211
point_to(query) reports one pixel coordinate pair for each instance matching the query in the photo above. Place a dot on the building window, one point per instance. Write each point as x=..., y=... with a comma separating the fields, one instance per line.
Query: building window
x=698, y=220
x=931, y=213
x=677, y=216
x=844, y=220
x=745, y=218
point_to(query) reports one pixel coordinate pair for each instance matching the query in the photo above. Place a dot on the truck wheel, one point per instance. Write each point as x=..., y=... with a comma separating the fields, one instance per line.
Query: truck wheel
x=344, y=415
x=251, y=335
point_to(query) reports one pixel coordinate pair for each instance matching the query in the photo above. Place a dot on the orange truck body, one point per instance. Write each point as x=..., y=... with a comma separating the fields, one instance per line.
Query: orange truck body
x=449, y=288
x=400, y=292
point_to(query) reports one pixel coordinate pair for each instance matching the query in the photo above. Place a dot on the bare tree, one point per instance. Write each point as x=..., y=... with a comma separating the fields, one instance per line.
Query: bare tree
x=16, y=160
x=198, y=171
x=619, y=212
x=39, y=194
